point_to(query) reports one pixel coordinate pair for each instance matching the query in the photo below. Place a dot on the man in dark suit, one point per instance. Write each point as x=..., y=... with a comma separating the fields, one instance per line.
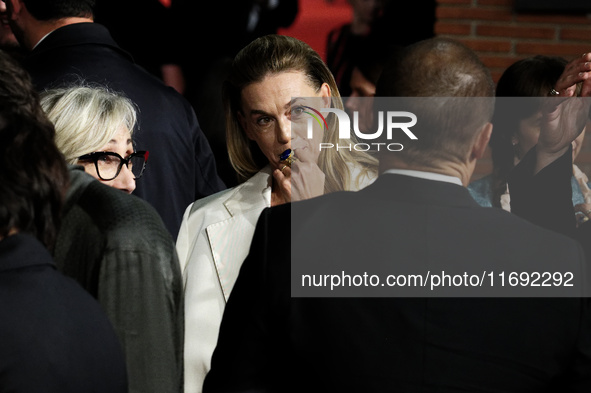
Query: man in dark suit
x=416, y=218
x=65, y=46
x=54, y=336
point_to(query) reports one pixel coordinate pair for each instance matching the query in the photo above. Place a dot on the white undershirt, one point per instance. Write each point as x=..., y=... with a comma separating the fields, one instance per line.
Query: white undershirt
x=425, y=175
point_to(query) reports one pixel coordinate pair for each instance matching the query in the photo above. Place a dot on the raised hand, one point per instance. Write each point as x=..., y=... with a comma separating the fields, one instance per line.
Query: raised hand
x=564, y=113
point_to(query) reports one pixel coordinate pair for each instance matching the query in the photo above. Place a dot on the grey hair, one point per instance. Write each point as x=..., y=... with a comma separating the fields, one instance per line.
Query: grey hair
x=86, y=117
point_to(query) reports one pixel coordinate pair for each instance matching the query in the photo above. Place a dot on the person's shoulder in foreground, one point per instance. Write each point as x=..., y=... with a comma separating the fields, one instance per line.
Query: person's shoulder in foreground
x=266, y=334
x=55, y=337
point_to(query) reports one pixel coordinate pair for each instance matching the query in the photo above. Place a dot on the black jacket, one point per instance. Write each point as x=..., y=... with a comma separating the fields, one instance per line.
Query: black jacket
x=181, y=167
x=273, y=339
x=54, y=336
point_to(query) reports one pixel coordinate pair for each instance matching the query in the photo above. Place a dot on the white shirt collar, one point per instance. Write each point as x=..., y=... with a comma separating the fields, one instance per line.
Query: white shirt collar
x=425, y=175
x=42, y=38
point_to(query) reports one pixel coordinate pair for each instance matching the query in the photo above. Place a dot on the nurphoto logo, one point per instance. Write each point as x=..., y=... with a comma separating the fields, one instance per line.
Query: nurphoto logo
x=395, y=120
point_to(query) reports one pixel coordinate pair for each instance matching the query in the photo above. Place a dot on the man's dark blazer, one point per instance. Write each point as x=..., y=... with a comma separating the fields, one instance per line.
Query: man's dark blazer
x=269, y=342
x=54, y=336
x=181, y=167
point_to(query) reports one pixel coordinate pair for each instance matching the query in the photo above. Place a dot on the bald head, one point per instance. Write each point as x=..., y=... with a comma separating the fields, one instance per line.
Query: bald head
x=438, y=67
x=451, y=93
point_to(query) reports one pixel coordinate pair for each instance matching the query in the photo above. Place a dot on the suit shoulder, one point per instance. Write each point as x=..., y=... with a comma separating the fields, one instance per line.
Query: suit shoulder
x=211, y=201
x=205, y=211
x=331, y=199
x=252, y=195
x=297, y=213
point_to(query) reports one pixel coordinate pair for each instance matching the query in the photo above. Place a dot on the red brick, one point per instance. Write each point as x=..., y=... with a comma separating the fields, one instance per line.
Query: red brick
x=452, y=28
x=576, y=34
x=496, y=75
x=454, y=1
x=515, y=31
x=569, y=51
x=488, y=45
x=471, y=13
x=546, y=18
x=503, y=3
x=499, y=61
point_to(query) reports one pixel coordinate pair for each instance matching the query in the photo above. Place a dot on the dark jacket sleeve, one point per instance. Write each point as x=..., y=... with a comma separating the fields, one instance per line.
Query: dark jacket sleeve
x=544, y=199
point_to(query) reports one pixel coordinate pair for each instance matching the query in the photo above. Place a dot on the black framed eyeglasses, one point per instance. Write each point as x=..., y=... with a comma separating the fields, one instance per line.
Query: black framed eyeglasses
x=108, y=164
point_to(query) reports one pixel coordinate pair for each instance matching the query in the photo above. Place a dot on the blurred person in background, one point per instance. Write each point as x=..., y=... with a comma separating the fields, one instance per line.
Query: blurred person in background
x=366, y=72
x=207, y=64
x=345, y=43
x=517, y=127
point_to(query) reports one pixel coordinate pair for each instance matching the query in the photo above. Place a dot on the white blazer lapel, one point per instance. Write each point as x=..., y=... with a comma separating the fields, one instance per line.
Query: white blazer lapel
x=230, y=239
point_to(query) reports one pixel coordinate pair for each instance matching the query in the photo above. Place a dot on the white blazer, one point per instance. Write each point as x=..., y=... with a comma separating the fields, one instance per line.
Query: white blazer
x=213, y=241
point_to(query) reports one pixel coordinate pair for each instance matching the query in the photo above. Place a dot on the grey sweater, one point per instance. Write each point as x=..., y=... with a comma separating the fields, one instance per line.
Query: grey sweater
x=117, y=247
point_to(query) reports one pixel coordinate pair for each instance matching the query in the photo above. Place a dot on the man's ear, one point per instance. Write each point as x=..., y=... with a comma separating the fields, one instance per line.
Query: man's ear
x=481, y=142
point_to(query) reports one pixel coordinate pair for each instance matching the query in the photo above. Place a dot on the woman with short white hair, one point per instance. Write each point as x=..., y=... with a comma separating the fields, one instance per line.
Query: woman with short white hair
x=93, y=128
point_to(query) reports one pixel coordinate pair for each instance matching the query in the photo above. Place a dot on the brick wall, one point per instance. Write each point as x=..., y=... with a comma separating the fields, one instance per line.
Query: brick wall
x=501, y=36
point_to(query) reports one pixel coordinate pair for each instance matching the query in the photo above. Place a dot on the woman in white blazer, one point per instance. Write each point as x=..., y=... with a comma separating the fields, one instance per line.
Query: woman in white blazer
x=261, y=114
